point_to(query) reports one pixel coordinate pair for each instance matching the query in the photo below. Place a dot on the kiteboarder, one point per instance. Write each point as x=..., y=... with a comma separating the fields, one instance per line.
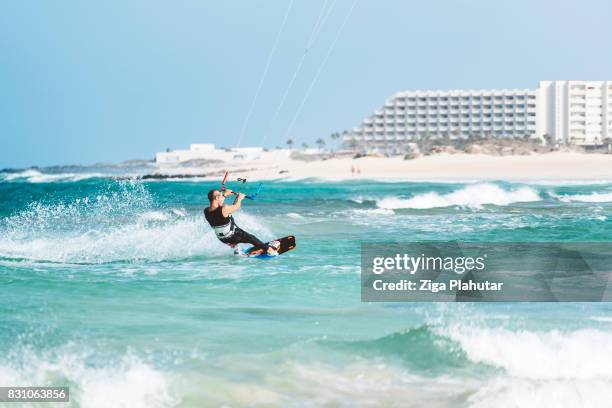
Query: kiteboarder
x=219, y=216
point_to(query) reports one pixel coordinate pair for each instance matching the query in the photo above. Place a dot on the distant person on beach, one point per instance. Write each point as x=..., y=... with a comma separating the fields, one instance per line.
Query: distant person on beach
x=220, y=218
x=352, y=170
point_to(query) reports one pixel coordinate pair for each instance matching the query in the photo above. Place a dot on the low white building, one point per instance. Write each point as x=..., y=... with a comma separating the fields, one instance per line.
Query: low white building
x=199, y=151
x=572, y=112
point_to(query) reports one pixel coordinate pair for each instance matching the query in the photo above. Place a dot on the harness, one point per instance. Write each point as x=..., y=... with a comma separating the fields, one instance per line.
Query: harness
x=224, y=227
x=225, y=231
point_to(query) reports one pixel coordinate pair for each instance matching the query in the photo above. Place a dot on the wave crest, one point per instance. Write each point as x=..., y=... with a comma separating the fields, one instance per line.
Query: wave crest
x=474, y=196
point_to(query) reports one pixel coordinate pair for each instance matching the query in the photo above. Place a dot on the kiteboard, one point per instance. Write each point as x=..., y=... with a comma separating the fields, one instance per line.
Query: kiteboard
x=281, y=245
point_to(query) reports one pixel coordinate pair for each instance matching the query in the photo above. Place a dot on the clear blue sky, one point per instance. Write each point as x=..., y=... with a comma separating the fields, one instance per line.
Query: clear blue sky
x=106, y=81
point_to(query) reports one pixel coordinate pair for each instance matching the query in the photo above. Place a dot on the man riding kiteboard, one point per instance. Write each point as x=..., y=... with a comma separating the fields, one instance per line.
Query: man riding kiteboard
x=220, y=218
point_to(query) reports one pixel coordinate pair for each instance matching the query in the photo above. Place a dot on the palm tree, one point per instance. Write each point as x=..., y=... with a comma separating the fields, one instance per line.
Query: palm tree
x=335, y=136
x=289, y=143
x=320, y=142
x=305, y=146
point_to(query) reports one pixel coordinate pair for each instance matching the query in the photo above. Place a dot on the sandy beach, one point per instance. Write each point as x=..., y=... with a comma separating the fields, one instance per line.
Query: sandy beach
x=550, y=166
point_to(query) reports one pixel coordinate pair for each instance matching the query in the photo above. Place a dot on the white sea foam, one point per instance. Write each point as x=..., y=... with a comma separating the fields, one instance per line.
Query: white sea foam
x=504, y=392
x=372, y=211
x=35, y=176
x=173, y=240
x=129, y=383
x=179, y=212
x=154, y=216
x=22, y=174
x=547, y=355
x=473, y=196
x=586, y=198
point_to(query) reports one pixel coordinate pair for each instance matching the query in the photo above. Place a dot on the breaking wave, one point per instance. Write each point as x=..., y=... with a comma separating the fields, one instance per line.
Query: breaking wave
x=128, y=382
x=35, y=176
x=473, y=196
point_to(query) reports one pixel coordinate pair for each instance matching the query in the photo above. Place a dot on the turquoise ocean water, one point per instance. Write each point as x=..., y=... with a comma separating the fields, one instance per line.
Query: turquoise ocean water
x=120, y=290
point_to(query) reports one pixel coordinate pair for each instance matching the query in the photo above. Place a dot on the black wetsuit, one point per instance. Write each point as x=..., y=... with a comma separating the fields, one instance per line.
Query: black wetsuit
x=228, y=232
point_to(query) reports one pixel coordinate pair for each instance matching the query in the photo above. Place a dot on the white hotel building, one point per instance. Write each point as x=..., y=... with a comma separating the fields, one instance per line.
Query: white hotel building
x=571, y=112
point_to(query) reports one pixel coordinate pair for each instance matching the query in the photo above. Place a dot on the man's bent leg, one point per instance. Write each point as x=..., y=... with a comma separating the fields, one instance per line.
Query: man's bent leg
x=253, y=240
